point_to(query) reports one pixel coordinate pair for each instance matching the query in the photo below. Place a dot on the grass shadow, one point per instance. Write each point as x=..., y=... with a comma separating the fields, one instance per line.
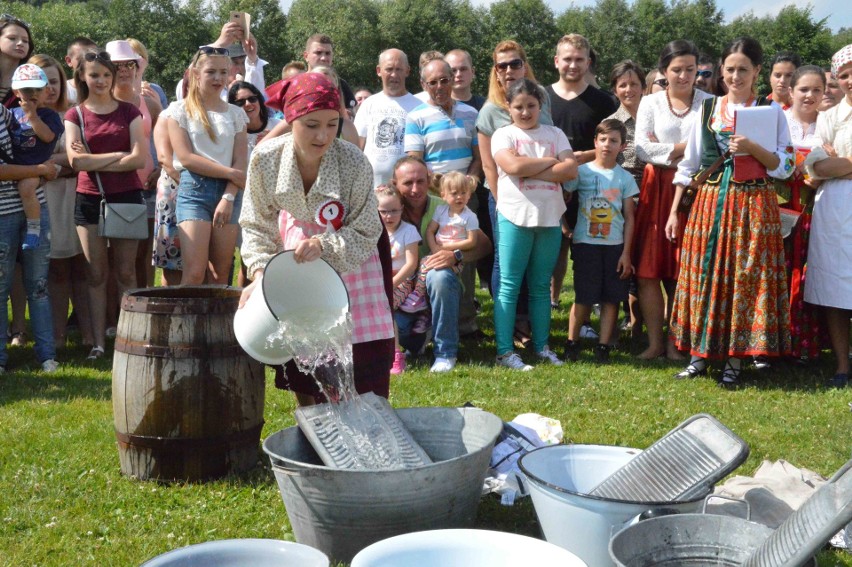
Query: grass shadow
x=56, y=387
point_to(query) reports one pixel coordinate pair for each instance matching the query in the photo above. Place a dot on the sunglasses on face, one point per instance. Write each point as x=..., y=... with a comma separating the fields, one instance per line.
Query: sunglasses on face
x=662, y=83
x=208, y=50
x=249, y=99
x=125, y=65
x=704, y=74
x=96, y=55
x=513, y=64
x=13, y=20
x=432, y=84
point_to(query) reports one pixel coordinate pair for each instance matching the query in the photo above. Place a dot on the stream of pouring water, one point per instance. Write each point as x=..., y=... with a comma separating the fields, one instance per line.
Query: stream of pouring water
x=325, y=352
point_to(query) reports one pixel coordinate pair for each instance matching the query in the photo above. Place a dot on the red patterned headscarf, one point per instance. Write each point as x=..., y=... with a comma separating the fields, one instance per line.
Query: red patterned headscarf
x=303, y=94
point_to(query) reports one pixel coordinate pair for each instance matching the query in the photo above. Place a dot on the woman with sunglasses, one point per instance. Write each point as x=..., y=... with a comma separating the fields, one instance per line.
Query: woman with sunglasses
x=209, y=140
x=16, y=46
x=510, y=65
x=248, y=97
x=126, y=89
x=663, y=123
x=654, y=82
x=106, y=150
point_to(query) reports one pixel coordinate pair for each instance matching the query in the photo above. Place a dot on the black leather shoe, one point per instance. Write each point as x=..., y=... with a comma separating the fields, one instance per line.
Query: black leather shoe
x=691, y=371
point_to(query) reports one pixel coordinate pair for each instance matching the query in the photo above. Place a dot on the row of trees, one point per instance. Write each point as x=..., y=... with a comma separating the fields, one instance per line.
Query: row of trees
x=617, y=29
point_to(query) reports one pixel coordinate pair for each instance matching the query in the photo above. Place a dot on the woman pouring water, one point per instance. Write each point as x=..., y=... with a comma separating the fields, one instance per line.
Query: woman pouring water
x=313, y=193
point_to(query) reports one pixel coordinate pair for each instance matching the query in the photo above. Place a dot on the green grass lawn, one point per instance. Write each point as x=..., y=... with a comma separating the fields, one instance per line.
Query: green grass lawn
x=64, y=501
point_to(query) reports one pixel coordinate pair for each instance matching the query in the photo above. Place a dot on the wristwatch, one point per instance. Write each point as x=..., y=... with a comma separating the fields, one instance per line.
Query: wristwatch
x=229, y=197
x=458, y=255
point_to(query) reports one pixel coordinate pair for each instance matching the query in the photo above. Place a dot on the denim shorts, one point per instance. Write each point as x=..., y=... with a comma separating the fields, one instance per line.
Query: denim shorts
x=198, y=196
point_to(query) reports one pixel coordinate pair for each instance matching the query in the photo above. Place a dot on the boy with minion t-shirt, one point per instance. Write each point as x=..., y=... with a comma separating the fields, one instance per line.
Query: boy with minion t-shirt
x=602, y=237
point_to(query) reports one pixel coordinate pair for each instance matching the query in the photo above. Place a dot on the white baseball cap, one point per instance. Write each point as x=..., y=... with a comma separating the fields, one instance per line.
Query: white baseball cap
x=29, y=76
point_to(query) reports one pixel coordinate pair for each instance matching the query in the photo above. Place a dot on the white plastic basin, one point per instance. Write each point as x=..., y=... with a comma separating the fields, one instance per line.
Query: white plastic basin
x=241, y=553
x=464, y=548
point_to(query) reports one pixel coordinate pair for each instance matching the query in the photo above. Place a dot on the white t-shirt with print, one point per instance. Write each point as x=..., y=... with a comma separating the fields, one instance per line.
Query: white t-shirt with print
x=453, y=228
x=381, y=120
x=404, y=235
x=523, y=201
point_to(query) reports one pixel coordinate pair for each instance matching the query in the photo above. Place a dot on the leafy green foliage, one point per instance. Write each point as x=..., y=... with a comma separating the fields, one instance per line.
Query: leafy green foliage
x=361, y=29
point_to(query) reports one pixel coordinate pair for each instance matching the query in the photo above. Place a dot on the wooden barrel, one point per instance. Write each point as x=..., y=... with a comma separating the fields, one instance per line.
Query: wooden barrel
x=187, y=401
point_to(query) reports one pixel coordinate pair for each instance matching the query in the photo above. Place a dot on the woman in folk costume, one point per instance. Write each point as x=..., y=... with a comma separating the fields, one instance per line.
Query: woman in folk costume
x=731, y=299
x=313, y=193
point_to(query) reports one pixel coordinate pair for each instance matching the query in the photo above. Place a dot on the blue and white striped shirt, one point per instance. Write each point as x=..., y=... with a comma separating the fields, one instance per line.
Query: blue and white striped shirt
x=446, y=141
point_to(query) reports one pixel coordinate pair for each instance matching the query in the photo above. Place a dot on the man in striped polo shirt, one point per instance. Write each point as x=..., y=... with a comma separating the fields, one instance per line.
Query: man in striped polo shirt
x=442, y=131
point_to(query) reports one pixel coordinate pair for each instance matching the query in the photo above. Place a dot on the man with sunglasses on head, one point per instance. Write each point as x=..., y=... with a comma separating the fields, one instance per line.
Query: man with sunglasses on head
x=705, y=75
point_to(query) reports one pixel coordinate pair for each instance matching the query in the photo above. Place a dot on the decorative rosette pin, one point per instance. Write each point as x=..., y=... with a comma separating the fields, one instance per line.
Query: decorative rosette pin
x=330, y=215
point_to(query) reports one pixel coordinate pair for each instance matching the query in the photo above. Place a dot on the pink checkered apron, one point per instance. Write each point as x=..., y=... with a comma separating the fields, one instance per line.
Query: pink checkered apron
x=368, y=302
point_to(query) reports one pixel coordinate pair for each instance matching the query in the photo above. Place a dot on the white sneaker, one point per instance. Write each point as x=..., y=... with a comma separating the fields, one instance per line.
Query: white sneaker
x=588, y=332
x=443, y=365
x=50, y=365
x=513, y=361
x=547, y=355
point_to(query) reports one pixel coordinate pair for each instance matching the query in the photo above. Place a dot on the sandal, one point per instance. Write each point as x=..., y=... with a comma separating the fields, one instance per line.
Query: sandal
x=96, y=353
x=521, y=339
x=730, y=375
x=692, y=370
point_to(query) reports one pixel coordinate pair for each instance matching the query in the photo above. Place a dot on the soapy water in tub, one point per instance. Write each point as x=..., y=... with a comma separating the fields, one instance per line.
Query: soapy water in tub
x=322, y=348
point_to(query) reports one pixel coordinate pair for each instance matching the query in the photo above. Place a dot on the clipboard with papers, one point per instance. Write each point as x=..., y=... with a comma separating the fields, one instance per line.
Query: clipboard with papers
x=758, y=124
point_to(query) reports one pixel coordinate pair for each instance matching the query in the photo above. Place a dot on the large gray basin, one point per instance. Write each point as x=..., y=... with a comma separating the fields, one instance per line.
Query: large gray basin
x=341, y=511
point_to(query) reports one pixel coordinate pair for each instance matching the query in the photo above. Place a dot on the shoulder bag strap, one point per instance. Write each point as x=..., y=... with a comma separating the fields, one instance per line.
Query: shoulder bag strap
x=86, y=145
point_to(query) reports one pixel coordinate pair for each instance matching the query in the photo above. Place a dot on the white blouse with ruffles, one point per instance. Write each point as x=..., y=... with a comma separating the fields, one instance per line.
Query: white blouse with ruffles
x=655, y=117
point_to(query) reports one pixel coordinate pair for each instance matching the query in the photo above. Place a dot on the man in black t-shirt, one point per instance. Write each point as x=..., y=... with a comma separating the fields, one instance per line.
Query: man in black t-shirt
x=319, y=51
x=577, y=108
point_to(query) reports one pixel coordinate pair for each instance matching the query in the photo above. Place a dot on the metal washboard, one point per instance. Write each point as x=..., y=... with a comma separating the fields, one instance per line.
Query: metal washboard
x=679, y=466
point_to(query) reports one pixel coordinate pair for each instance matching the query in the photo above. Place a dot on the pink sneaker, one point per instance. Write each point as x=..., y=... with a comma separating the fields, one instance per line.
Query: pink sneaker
x=398, y=363
x=422, y=324
x=414, y=303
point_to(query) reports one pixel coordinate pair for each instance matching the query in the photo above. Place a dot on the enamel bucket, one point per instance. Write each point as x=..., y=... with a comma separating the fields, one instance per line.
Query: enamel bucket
x=560, y=477
x=288, y=290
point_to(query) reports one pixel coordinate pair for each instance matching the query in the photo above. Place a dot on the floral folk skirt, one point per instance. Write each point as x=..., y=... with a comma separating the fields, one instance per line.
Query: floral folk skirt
x=731, y=297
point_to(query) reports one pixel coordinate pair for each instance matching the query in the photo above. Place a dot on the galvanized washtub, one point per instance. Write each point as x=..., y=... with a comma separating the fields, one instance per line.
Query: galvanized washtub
x=687, y=540
x=342, y=511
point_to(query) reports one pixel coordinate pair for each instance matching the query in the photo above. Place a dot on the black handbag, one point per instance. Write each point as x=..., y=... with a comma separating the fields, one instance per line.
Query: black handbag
x=118, y=220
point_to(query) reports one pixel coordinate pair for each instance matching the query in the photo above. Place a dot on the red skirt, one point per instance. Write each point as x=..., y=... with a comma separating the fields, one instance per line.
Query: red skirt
x=654, y=256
